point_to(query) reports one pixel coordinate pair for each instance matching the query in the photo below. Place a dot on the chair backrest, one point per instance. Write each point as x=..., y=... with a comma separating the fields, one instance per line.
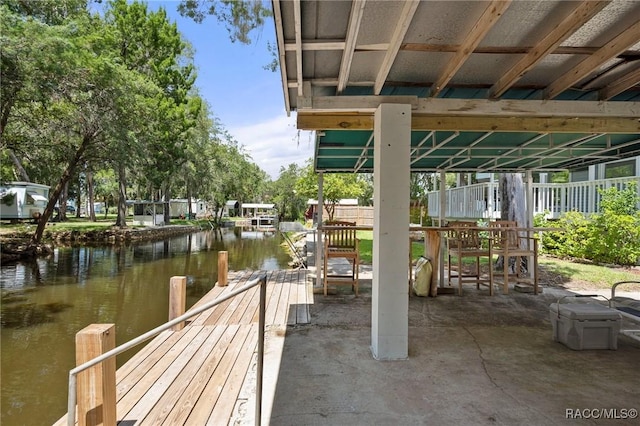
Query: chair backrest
x=504, y=237
x=343, y=236
x=464, y=233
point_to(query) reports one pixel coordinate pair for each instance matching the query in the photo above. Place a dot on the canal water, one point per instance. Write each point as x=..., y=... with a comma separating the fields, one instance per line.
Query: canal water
x=45, y=303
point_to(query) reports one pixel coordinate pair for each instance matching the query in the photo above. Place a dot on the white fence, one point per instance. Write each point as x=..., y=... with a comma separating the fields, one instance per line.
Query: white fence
x=482, y=200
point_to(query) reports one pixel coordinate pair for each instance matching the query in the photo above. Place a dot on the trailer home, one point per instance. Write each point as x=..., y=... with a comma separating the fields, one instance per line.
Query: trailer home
x=23, y=200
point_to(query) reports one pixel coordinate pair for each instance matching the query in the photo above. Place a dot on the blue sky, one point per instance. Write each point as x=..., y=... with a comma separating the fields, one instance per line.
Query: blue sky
x=247, y=99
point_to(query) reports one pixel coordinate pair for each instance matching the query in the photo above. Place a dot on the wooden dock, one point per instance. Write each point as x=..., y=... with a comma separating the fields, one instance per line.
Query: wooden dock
x=205, y=373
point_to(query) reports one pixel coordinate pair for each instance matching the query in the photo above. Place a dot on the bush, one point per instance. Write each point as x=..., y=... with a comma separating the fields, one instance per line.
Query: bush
x=612, y=236
x=616, y=238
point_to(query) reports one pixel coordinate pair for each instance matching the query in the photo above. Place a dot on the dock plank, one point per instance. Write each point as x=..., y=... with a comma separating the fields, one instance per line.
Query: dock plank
x=128, y=375
x=293, y=298
x=212, y=316
x=145, y=403
x=185, y=402
x=205, y=373
x=223, y=410
x=136, y=385
x=144, y=354
x=210, y=394
x=251, y=300
x=282, y=311
x=275, y=284
x=302, y=305
x=193, y=373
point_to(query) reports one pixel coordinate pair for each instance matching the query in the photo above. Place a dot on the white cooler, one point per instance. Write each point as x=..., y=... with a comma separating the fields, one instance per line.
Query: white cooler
x=585, y=325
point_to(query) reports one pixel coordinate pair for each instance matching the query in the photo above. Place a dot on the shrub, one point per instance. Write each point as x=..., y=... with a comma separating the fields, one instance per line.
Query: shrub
x=612, y=236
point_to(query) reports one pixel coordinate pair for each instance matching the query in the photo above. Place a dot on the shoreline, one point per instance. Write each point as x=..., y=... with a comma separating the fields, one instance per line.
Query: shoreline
x=17, y=246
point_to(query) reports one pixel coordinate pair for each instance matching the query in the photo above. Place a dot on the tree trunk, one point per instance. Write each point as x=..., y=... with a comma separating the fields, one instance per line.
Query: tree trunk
x=166, y=205
x=66, y=176
x=79, y=197
x=331, y=208
x=90, y=195
x=62, y=205
x=512, y=207
x=22, y=173
x=121, y=219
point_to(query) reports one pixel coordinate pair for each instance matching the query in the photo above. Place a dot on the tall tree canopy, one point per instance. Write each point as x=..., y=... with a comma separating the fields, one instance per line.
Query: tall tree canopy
x=239, y=16
x=113, y=95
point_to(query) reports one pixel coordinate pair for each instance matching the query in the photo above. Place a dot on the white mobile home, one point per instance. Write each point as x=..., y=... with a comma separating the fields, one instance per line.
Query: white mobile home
x=148, y=213
x=23, y=200
x=179, y=207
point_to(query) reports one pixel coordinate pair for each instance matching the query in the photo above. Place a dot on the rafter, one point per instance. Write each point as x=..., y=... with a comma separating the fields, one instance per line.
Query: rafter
x=482, y=26
x=613, y=48
x=572, y=22
x=355, y=18
x=277, y=16
x=406, y=15
x=594, y=152
x=298, y=31
x=620, y=85
x=313, y=45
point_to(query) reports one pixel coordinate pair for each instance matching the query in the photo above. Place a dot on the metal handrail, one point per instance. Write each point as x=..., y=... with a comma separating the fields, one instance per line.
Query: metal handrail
x=262, y=280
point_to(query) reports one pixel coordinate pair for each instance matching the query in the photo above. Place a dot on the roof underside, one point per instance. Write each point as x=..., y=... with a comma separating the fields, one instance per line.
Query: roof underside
x=493, y=85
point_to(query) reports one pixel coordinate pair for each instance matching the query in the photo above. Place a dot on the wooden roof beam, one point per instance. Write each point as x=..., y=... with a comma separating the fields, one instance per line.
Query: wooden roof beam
x=355, y=19
x=465, y=107
x=277, y=16
x=297, y=17
x=482, y=26
x=620, y=85
x=313, y=45
x=572, y=22
x=408, y=10
x=613, y=48
x=364, y=121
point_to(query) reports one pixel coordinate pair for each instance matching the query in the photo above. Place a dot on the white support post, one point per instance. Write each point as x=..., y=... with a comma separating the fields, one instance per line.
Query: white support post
x=319, y=240
x=442, y=216
x=391, y=174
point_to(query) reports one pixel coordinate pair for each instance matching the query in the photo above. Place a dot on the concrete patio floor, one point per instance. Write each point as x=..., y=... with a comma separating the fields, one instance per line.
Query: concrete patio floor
x=473, y=360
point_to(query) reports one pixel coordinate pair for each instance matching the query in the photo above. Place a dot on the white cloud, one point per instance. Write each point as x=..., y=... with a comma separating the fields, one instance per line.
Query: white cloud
x=275, y=143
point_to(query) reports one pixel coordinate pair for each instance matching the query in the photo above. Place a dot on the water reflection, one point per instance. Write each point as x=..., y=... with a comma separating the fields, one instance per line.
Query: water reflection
x=46, y=302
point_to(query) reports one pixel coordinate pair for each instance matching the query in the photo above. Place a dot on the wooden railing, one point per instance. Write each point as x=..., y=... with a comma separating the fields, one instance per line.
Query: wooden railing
x=482, y=200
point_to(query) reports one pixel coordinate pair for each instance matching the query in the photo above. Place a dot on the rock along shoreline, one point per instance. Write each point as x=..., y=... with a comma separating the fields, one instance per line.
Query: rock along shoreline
x=17, y=246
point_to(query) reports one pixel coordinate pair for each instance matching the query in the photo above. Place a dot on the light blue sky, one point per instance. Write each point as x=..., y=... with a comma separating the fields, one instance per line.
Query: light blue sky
x=247, y=99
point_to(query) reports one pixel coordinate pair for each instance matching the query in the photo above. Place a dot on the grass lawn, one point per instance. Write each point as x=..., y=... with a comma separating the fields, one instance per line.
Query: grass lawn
x=553, y=271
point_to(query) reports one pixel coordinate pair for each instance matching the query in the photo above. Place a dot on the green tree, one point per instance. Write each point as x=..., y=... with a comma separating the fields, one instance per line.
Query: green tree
x=335, y=186
x=67, y=99
x=289, y=203
x=151, y=45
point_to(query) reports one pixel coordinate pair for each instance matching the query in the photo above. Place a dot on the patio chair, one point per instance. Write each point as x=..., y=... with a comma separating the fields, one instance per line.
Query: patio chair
x=509, y=241
x=464, y=241
x=341, y=242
